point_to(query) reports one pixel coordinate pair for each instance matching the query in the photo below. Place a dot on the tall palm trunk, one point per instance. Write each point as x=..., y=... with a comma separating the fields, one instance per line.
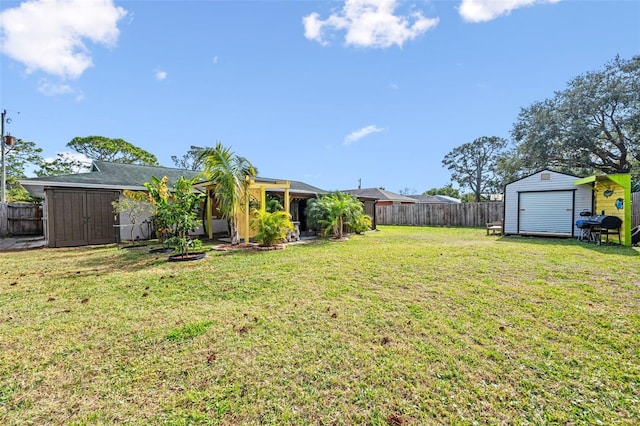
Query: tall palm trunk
x=228, y=173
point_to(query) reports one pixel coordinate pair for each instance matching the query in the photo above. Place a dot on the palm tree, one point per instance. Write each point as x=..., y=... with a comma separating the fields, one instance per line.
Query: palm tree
x=333, y=211
x=228, y=172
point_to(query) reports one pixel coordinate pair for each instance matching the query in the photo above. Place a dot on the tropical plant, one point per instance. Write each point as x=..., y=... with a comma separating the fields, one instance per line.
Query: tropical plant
x=183, y=215
x=158, y=195
x=273, y=204
x=331, y=212
x=271, y=227
x=135, y=205
x=361, y=224
x=230, y=175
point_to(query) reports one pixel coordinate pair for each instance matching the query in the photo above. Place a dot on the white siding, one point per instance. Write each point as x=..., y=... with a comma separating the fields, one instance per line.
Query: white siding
x=541, y=183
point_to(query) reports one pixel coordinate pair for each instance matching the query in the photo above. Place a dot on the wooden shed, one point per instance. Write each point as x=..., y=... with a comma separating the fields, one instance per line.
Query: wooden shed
x=546, y=203
x=77, y=208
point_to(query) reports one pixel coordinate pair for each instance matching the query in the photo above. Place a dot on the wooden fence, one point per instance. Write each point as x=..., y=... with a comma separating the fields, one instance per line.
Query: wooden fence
x=463, y=214
x=24, y=219
x=635, y=209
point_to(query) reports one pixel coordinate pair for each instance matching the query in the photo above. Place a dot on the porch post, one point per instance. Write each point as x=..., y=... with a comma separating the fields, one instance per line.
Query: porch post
x=209, y=213
x=287, y=200
x=246, y=219
x=263, y=199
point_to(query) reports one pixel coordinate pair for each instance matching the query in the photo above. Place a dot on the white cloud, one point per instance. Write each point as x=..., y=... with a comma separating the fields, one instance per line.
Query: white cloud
x=58, y=89
x=359, y=134
x=215, y=59
x=486, y=10
x=160, y=75
x=369, y=23
x=50, y=35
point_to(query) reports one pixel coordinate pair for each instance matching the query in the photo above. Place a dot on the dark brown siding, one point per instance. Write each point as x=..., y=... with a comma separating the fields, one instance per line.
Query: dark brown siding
x=79, y=217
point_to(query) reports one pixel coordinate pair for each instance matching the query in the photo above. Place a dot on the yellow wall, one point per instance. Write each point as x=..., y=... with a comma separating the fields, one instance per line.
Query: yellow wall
x=257, y=192
x=608, y=204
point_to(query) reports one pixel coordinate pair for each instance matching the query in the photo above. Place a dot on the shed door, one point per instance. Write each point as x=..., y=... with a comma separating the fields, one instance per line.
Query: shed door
x=80, y=217
x=546, y=212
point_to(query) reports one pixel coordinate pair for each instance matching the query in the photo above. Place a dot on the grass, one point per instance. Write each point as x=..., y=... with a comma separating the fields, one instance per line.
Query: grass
x=403, y=326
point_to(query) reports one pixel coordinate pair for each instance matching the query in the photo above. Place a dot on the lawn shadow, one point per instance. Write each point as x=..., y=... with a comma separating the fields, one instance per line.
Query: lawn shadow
x=604, y=248
x=133, y=258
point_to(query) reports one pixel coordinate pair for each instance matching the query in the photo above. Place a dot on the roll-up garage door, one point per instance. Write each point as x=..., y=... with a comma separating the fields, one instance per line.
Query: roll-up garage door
x=545, y=212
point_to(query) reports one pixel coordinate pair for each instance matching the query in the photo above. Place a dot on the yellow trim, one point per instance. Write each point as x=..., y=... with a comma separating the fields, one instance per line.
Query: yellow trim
x=244, y=211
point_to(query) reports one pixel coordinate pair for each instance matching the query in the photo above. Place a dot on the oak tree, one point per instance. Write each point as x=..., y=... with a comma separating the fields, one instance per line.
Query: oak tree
x=591, y=125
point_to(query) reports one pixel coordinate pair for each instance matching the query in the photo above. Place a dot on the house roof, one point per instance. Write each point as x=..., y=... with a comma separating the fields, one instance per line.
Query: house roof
x=118, y=176
x=435, y=199
x=296, y=187
x=106, y=175
x=380, y=195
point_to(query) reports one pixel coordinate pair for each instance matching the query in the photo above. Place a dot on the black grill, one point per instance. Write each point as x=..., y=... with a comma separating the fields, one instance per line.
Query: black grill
x=604, y=221
x=595, y=227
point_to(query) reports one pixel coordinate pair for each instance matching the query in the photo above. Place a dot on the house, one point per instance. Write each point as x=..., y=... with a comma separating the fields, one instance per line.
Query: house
x=545, y=203
x=78, y=211
x=435, y=199
x=383, y=197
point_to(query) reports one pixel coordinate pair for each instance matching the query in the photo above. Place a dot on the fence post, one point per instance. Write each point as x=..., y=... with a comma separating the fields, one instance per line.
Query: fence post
x=3, y=220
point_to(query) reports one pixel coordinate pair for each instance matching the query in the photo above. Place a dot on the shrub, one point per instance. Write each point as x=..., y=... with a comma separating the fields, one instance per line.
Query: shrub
x=330, y=213
x=271, y=227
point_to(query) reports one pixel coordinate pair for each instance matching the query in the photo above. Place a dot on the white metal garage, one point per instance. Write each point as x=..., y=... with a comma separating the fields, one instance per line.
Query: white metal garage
x=545, y=203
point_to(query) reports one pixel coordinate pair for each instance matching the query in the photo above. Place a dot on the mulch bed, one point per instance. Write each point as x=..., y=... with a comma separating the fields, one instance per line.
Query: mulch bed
x=250, y=246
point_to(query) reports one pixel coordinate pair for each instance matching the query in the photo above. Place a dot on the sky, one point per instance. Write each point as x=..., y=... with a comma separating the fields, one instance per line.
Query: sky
x=332, y=93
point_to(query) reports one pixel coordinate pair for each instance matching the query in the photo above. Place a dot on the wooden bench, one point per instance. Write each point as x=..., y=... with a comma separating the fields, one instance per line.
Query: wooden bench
x=497, y=226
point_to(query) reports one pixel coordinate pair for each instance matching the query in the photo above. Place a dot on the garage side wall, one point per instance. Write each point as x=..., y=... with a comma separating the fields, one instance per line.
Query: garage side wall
x=539, y=184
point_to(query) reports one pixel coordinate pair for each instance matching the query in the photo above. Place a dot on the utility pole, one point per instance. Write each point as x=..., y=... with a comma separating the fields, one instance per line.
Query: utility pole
x=4, y=166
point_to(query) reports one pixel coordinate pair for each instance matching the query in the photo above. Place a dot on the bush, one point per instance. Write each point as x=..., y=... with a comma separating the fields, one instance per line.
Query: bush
x=271, y=227
x=330, y=213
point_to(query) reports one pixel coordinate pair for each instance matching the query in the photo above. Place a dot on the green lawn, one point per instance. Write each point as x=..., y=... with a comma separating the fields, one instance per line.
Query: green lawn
x=402, y=326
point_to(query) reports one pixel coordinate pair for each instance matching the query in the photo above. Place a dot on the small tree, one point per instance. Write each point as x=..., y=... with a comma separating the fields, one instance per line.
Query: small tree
x=159, y=194
x=183, y=214
x=135, y=205
x=271, y=227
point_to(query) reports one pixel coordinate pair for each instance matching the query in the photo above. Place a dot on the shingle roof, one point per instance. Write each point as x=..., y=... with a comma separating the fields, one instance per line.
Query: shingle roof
x=113, y=175
x=108, y=175
x=379, y=194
